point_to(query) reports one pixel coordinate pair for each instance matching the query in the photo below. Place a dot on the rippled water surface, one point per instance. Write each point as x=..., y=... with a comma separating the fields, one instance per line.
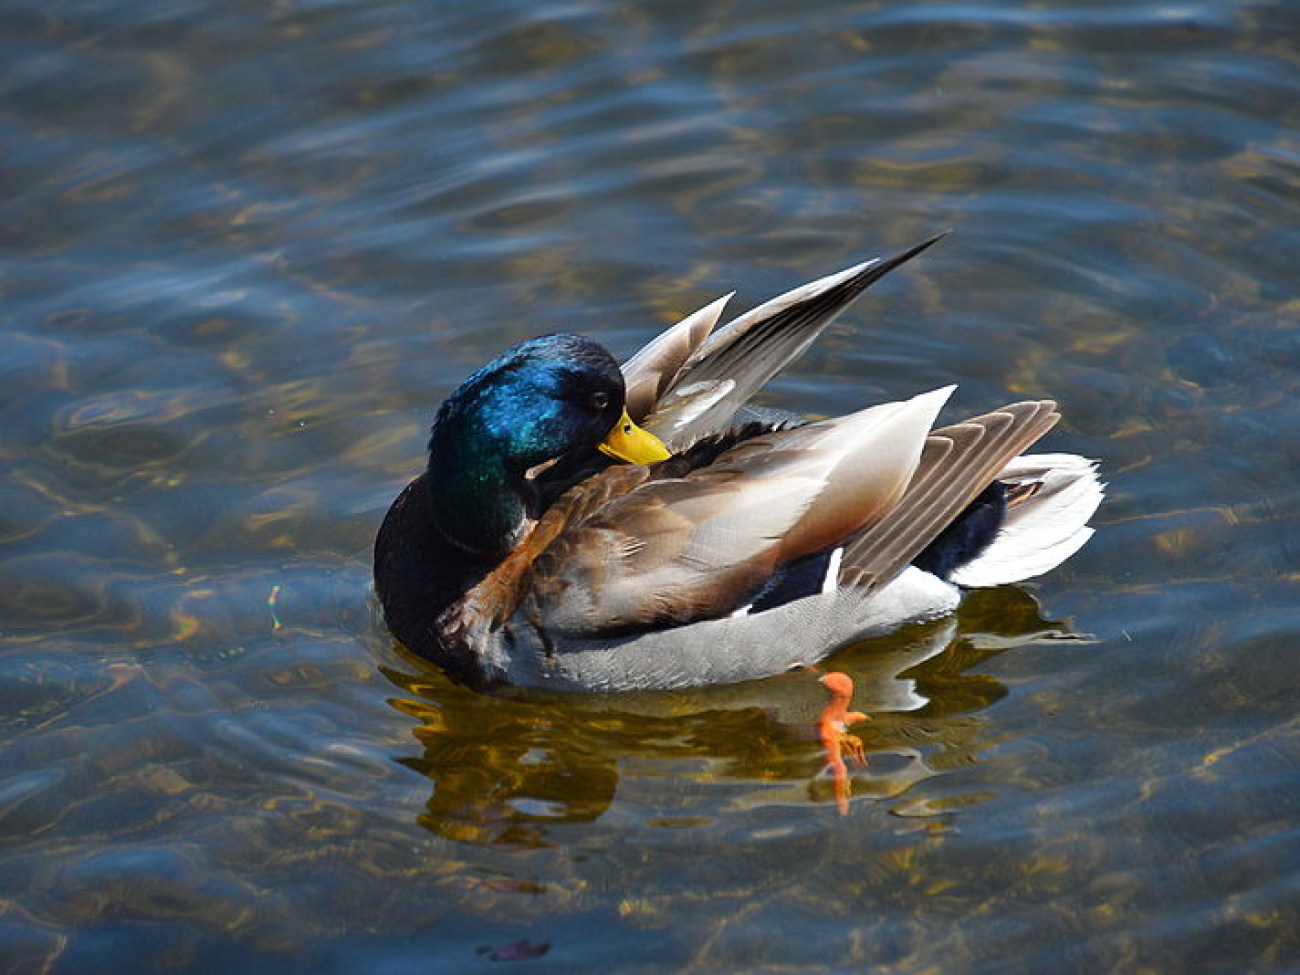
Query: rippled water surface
x=248, y=247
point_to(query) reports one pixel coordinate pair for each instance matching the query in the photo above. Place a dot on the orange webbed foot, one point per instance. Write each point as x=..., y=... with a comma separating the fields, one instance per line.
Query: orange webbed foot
x=832, y=730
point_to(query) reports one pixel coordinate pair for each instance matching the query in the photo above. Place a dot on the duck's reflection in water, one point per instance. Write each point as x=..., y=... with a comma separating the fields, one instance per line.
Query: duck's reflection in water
x=509, y=770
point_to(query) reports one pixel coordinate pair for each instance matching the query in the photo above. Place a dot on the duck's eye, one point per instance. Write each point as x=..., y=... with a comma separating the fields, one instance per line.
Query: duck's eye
x=600, y=400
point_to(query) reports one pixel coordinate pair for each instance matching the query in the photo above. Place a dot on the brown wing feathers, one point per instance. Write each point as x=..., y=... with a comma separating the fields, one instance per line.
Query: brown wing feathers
x=655, y=369
x=957, y=463
x=723, y=370
x=764, y=340
x=497, y=595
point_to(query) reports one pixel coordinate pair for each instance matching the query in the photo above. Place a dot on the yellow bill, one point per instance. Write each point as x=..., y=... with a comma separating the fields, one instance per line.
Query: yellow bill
x=628, y=442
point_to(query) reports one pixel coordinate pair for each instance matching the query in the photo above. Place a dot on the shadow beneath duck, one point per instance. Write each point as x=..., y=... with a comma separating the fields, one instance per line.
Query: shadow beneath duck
x=512, y=770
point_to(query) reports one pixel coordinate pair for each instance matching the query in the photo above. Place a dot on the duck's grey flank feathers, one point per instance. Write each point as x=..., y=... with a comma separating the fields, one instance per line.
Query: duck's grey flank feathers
x=724, y=651
x=749, y=350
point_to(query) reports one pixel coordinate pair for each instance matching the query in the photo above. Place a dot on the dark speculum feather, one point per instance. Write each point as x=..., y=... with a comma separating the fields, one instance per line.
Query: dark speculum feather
x=705, y=451
x=796, y=579
x=968, y=535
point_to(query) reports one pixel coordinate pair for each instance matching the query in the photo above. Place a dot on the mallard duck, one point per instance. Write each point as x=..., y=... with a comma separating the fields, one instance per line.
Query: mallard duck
x=586, y=526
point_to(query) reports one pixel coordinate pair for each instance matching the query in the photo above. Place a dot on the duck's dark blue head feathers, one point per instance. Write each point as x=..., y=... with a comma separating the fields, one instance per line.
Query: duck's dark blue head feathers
x=539, y=401
x=536, y=402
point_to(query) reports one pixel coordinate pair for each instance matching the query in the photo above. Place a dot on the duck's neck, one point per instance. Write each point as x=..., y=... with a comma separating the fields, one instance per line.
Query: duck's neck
x=479, y=501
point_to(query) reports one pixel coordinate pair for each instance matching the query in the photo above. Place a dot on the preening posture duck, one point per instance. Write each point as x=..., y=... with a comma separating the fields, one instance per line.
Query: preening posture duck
x=586, y=526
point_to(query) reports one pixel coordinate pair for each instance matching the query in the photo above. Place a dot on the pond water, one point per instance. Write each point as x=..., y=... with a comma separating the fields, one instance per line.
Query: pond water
x=248, y=247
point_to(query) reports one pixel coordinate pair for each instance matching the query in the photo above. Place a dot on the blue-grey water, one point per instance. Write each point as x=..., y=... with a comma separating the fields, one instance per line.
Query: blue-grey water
x=245, y=250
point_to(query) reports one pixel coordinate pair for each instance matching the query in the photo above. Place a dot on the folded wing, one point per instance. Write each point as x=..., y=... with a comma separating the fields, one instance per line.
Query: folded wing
x=675, y=550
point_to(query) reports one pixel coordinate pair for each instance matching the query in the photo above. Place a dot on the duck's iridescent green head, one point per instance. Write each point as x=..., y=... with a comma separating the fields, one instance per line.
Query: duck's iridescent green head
x=543, y=399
